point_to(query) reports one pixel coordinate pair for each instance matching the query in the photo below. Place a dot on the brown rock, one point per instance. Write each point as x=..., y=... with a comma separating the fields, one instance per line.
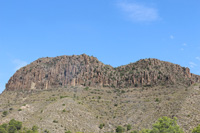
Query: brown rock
x=75, y=70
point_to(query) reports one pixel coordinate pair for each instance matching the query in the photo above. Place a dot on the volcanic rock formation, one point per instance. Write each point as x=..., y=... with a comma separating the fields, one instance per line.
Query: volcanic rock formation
x=77, y=70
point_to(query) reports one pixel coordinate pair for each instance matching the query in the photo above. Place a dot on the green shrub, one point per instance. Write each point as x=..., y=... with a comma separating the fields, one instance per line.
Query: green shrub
x=68, y=132
x=157, y=100
x=119, y=129
x=128, y=127
x=101, y=126
x=5, y=113
x=63, y=97
x=147, y=131
x=86, y=88
x=55, y=121
x=35, y=129
x=196, y=129
x=46, y=131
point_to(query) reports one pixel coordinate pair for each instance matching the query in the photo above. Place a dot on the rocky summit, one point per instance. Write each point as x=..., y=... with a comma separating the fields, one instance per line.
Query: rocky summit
x=84, y=70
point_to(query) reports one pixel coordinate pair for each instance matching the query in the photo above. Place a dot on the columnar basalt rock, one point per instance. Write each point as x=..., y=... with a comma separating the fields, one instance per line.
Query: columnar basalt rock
x=77, y=70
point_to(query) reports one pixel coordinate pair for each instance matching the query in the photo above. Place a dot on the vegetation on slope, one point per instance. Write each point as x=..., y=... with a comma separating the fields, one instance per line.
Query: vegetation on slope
x=16, y=127
x=163, y=125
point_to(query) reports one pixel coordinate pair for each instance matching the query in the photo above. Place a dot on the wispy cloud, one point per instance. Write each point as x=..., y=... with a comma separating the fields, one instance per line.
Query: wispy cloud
x=139, y=12
x=19, y=63
x=171, y=36
x=184, y=44
x=192, y=64
x=198, y=58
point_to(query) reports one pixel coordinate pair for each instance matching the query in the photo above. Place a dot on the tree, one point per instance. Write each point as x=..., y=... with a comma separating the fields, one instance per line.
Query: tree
x=196, y=129
x=5, y=126
x=166, y=125
x=16, y=124
x=12, y=129
x=2, y=130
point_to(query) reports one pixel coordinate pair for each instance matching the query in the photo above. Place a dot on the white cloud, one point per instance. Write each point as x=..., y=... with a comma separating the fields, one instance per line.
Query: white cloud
x=198, y=58
x=19, y=63
x=182, y=49
x=184, y=44
x=139, y=12
x=192, y=64
x=171, y=36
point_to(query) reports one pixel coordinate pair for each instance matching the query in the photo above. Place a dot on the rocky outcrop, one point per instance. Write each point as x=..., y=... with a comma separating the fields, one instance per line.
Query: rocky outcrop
x=85, y=70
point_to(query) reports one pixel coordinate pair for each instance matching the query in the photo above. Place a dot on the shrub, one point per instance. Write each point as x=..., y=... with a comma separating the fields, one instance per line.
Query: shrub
x=196, y=129
x=128, y=127
x=35, y=129
x=46, y=131
x=61, y=97
x=147, y=131
x=68, y=132
x=86, y=88
x=101, y=126
x=119, y=129
x=55, y=121
x=157, y=100
x=5, y=113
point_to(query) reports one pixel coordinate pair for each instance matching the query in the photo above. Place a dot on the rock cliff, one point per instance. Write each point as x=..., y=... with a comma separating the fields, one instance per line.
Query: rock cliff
x=77, y=70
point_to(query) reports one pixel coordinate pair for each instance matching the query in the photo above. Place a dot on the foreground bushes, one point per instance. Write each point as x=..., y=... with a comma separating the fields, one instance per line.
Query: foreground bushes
x=163, y=125
x=166, y=125
x=16, y=127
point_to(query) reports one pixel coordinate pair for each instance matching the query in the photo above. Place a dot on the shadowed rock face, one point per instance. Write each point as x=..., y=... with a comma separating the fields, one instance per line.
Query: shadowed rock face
x=84, y=70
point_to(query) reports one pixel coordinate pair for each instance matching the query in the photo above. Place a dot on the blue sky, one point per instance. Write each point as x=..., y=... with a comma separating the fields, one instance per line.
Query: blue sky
x=117, y=32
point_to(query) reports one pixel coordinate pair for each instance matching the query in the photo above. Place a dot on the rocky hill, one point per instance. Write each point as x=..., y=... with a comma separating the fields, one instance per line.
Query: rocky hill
x=84, y=70
x=80, y=94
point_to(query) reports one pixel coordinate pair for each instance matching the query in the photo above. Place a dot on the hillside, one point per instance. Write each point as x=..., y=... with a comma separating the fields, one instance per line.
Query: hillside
x=78, y=93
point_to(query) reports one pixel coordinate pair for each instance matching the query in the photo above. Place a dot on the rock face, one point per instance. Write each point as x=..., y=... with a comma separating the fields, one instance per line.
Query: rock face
x=76, y=70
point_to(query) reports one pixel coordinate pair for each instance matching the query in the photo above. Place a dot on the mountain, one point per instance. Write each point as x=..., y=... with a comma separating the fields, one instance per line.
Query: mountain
x=46, y=73
x=79, y=93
